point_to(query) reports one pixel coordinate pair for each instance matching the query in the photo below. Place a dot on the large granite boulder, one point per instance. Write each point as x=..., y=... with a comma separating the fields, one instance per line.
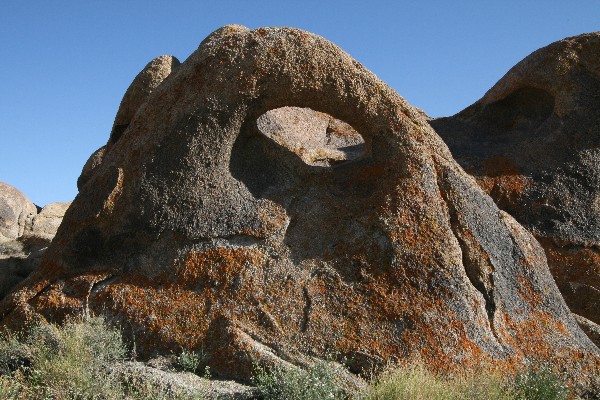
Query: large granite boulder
x=201, y=230
x=533, y=143
x=16, y=212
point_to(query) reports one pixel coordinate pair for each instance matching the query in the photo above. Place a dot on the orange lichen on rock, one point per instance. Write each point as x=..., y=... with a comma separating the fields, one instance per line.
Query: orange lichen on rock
x=200, y=230
x=502, y=180
x=577, y=273
x=531, y=142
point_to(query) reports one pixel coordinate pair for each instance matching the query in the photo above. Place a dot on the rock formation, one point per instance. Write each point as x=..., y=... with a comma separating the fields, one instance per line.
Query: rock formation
x=93, y=161
x=144, y=83
x=24, y=234
x=44, y=225
x=533, y=143
x=200, y=229
x=16, y=212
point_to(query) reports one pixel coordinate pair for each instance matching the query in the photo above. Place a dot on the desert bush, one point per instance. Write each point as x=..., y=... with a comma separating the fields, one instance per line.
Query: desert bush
x=407, y=383
x=13, y=355
x=317, y=382
x=190, y=361
x=71, y=362
x=74, y=362
x=539, y=383
x=413, y=382
x=10, y=388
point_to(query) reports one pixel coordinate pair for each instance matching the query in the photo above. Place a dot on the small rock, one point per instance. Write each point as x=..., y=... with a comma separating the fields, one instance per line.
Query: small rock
x=142, y=378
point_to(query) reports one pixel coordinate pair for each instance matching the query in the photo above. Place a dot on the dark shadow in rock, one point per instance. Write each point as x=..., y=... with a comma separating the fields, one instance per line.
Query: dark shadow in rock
x=524, y=109
x=324, y=199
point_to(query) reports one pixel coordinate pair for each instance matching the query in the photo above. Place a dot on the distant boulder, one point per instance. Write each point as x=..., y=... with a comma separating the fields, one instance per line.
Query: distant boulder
x=16, y=212
x=204, y=229
x=24, y=234
x=317, y=138
x=533, y=144
x=45, y=224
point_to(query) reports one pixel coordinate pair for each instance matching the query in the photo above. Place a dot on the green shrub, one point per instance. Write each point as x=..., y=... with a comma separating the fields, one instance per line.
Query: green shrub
x=317, y=382
x=539, y=384
x=72, y=362
x=190, y=361
x=13, y=355
x=416, y=382
x=10, y=388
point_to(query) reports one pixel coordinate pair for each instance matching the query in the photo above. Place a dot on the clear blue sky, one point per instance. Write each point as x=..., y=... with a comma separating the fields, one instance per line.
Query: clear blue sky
x=66, y=64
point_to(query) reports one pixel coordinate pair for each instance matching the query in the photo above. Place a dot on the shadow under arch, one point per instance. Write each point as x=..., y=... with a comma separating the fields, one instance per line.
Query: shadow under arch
x=328, y=203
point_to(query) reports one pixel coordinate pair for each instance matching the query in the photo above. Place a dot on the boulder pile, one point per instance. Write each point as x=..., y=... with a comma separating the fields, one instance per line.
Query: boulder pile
x=25, y=234
x=209, y=222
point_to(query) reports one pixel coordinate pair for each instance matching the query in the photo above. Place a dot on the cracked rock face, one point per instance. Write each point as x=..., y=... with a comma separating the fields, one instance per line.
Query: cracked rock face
x=199, y=230
x=533, y=143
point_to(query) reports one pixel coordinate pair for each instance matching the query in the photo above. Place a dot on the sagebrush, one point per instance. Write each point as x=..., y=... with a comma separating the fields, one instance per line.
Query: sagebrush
x=72, y=362
x=76, y=361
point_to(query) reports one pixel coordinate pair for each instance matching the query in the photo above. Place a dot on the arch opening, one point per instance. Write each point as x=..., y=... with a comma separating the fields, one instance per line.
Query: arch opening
x=319, y=139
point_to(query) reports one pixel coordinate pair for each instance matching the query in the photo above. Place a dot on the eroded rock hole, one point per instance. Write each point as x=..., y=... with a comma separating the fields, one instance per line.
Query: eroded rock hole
x=525, y=109
x=317, y=138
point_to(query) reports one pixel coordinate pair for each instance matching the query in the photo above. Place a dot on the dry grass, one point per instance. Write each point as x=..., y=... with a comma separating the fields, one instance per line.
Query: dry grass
x=75, y=362
x=415, y=382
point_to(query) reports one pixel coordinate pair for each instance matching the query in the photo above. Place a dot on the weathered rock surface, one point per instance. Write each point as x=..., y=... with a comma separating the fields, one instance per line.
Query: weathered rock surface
x=199, y=231
x=90, y=165
x=590, y=328
x=155, y=72
x=24, y=234
x=142, y=377
x=144, y=83
x=316, y=137
x=533, y=143
x=16, y=212
x=45, y=224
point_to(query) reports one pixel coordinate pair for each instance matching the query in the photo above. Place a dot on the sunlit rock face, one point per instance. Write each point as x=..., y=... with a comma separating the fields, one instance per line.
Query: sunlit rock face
x=16, y=213
x=203, y=226
x=533, y=143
